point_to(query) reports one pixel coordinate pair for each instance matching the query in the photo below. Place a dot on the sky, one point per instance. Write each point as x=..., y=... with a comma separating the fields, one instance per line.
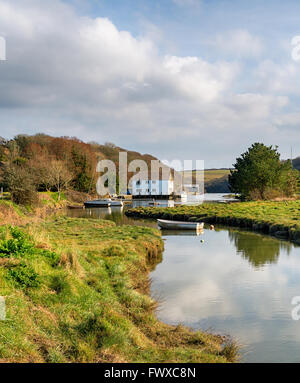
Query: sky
x=178, y=79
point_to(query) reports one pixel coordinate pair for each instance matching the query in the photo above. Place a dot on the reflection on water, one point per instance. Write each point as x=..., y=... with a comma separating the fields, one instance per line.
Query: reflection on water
x=259, y=250
x=235, y=282
x=114, y=213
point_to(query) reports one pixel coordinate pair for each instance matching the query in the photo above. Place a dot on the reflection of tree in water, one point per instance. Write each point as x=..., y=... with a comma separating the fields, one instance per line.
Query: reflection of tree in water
x=258, y=249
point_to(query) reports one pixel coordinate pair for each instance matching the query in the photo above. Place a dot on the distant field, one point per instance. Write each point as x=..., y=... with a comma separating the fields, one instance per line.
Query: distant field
x=215, y=180
x=209, y=175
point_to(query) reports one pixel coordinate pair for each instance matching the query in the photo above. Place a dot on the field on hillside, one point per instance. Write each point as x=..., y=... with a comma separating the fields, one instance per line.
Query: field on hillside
x=209, y=175
x=215, y=180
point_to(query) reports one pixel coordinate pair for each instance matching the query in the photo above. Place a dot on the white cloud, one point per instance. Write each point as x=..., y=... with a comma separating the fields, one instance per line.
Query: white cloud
x=89, y=68
x=239, y=43
x=276, y=77
x=67, y=74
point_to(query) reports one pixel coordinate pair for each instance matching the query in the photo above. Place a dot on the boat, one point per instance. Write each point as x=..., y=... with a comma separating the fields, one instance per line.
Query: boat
x=97, y=203
x=103, y=203
x=116, y=203
x=180, y=232
x=180, y=225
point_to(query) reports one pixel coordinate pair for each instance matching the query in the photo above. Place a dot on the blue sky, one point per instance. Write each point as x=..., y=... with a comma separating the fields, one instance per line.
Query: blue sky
x=180, y=79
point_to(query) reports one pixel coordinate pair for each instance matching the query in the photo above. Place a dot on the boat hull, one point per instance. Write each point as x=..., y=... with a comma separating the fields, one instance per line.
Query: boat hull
x=116, y=203
x=180, y=225
x=97, y=204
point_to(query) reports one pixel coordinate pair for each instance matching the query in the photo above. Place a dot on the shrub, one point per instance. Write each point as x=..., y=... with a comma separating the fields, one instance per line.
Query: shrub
x=17, y=246
x=23, y=276
x=51, y=256
x=18, y=178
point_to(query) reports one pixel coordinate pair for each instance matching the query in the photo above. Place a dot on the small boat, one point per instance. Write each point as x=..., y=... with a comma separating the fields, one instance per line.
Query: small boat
x=97, y=203
x=182, y=225
x=103, y=203
x=116, y=203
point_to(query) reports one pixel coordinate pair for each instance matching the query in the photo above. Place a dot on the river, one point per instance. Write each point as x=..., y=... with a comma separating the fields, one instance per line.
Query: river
x=233, y=282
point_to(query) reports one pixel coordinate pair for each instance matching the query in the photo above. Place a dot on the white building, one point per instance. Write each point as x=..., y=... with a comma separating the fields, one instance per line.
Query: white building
x=154, y=188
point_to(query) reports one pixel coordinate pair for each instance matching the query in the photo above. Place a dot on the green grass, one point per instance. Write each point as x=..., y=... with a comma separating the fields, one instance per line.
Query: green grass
x=280, y=218
x=77, y=290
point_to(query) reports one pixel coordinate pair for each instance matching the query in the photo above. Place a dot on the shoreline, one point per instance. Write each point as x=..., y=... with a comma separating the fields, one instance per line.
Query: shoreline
x=273, y=218
x=93, y=304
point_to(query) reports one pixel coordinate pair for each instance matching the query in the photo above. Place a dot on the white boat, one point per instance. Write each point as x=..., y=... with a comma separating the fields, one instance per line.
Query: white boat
x=180, y=225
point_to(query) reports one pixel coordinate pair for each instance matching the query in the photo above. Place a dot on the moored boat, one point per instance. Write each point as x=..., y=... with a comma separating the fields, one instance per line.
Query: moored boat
x=180, y=225
x=97, y=203
x=116, y=202
x=103, y=203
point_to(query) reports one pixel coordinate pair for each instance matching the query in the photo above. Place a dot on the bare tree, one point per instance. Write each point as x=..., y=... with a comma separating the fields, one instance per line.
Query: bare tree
x=59, y=176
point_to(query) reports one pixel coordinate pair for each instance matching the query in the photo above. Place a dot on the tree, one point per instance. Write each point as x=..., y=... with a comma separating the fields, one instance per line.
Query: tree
x=259, y=171
x=2, y=148
x=289, y=179
x=59, y=175
x=19, y=180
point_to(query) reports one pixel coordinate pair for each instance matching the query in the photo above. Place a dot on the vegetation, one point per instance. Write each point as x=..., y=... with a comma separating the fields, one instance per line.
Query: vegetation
x=40, y=163
x=77, y=291
x=259, y=174
x=215, y=180
x=279, y=218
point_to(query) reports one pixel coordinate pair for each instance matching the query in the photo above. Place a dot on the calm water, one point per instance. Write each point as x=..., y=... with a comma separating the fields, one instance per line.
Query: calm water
x=235, y=282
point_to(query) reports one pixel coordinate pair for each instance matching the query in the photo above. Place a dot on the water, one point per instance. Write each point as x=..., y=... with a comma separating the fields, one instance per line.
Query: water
x=236, y=282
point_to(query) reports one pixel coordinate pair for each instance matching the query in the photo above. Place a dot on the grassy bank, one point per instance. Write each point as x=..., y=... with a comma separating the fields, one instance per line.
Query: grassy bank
x=281, y=219
x=77, y=290
x=48, y=202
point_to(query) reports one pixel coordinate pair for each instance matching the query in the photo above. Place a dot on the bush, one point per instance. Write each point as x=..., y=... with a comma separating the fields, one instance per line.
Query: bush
x=20, y=181
x=23, y=276
x=51, y=256
x=26, y=197
x=17, y=246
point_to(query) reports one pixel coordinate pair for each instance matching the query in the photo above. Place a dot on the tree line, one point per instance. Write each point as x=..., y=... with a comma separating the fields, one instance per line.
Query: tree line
x=30, y=164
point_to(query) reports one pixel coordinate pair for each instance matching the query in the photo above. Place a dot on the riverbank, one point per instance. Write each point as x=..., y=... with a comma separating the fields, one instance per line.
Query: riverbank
x=281, y=219
x=48, y=203
x=77, y=290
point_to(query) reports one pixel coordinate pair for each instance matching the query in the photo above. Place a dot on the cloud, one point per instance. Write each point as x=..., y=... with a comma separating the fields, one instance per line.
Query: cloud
x=277, y=77
x=239, y=43
x=72, y=75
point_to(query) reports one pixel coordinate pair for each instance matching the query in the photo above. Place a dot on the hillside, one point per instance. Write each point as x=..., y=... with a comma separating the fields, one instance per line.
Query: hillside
x=296, y=163
x=45, y=163
x=215, y=180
